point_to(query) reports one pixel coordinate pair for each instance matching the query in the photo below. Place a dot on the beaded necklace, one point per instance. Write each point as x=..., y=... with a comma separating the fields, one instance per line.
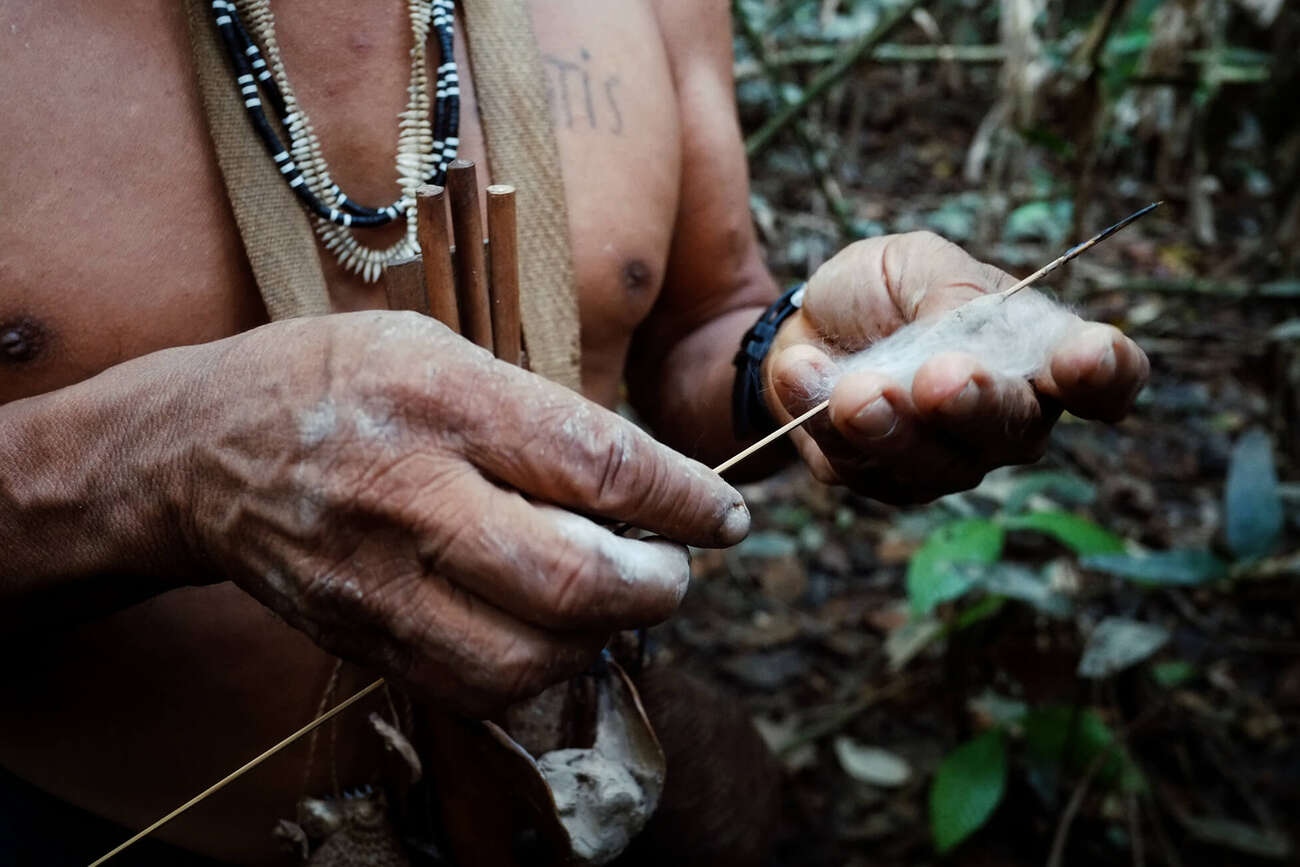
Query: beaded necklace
x=423, y=150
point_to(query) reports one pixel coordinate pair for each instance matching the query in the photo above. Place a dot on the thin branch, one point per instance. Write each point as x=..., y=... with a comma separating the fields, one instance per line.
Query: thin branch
x=783, y=13
x=870, y=698
x=1243, y=68
x=839, y=210
x=1057, y=855
x=759, y=141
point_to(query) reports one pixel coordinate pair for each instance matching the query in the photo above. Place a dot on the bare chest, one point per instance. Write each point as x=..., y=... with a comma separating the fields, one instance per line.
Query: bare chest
x=120, y=239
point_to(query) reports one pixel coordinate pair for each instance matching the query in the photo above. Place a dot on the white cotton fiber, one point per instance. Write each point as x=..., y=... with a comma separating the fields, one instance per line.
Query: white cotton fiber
x=1012, y=337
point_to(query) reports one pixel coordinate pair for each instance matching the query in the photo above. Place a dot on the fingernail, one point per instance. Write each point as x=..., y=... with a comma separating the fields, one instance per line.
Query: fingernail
x=1106, y=363
x=876, y=419
x=810, y=378
x=963, y=401
x=735, y=526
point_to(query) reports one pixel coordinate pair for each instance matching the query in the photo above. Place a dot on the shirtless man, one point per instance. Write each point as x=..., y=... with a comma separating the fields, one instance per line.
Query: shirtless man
x=156, y=446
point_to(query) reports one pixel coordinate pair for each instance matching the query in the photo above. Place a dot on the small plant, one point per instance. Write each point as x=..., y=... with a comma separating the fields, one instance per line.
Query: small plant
x=965, y=556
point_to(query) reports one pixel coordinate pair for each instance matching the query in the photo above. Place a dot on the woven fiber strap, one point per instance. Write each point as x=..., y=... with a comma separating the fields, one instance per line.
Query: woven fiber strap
x=511, y=88
x=277, y=237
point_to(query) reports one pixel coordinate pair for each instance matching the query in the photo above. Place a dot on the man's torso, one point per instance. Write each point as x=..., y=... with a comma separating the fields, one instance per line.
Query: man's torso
x=120, y=242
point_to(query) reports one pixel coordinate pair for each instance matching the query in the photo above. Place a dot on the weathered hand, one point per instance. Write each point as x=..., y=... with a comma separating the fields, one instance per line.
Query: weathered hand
x=958, y=420
x=403, y=498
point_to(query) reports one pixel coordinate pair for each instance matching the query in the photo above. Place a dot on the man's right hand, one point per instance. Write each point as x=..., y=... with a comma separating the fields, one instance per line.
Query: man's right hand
x=404, y=498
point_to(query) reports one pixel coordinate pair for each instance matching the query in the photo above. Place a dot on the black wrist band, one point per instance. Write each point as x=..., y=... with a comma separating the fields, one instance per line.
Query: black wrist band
x=749, y=415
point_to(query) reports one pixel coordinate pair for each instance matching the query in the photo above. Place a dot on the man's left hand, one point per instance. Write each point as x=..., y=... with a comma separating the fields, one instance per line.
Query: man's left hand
x=958, y=420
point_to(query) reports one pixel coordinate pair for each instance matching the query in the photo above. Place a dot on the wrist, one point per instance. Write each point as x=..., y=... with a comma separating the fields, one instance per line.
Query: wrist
x=91, y=490
x=752, y=409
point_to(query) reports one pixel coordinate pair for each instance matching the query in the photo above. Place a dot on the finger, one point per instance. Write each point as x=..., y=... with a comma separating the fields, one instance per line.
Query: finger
x=1097, y=372
x=873, y=412
x=801, y=377
x=870, y=421
x=447, y=644
x=550, y=567
x=492, y=660
x=814, y=458
x=549, y=443
x=991, y=419
x=879, y=423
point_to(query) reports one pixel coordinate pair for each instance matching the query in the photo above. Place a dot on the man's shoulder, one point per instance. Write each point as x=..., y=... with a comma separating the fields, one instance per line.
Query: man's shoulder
x=695, y=30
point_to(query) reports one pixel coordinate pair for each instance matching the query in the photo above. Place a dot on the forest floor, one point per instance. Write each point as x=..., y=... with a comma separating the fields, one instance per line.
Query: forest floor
x=808, y=620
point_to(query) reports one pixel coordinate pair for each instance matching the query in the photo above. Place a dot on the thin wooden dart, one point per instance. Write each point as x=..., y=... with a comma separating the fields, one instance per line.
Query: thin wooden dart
x=404, y=285
x=471, y=264
x=435, y=250
x=1079, y=249
x=503, y=287
x=240, y=771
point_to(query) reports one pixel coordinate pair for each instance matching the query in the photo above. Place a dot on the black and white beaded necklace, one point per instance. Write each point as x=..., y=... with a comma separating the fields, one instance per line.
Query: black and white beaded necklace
x=423, y=152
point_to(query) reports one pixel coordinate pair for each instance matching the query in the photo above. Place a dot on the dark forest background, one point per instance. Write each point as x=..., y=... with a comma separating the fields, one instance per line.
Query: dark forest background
x=1096, y=659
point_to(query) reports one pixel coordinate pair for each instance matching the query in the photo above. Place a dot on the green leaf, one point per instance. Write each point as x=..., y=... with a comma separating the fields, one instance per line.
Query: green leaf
x=1069, y=489
x=979, y=612
x=771, y=545
x=967, y=788
x=932, y=574
x=1080, y=535
x=1118, y=643
x=1280, y=289
x=789, y=517
x=954, y=221
x=1173, y=673
x=1052, y=730
x=1252, y=507
x=1177, y=568
x=999, y=708
x=1039, y=221
x=1024, y=585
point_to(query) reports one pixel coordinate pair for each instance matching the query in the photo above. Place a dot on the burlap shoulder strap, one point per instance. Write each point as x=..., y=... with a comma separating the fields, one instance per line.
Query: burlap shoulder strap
x=278, y=240
x=511, y=88
x=522, y=150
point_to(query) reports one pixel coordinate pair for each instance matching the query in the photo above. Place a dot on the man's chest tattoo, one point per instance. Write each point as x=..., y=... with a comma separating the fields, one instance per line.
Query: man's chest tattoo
x=584, y=95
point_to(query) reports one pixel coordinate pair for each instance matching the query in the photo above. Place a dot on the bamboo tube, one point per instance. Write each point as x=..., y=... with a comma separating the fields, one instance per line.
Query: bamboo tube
x=404, y=285
x=471, y=264
x=439, y=281
x=503, y=288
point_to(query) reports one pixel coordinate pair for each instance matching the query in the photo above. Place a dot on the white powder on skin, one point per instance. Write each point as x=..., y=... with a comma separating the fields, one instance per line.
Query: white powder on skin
x=635, y=561
x=1012, y=337
x=317, y=423
x=379, y=425
x=311, y=510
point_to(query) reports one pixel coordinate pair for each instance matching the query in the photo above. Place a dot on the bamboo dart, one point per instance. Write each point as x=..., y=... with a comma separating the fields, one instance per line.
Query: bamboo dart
x=503, y=287
x=1079, y=249
x=471, y=264
x=435, y=250
x=404, y=285
x=236, y=774
x=720, y=468
x=1076, y=250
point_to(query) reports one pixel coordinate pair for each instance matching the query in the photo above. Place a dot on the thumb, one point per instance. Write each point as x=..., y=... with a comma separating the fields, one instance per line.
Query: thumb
x=799, y=377
x=553, y=445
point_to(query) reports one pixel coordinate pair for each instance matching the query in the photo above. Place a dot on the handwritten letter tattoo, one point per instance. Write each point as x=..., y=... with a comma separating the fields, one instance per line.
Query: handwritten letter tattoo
x=582, y=99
